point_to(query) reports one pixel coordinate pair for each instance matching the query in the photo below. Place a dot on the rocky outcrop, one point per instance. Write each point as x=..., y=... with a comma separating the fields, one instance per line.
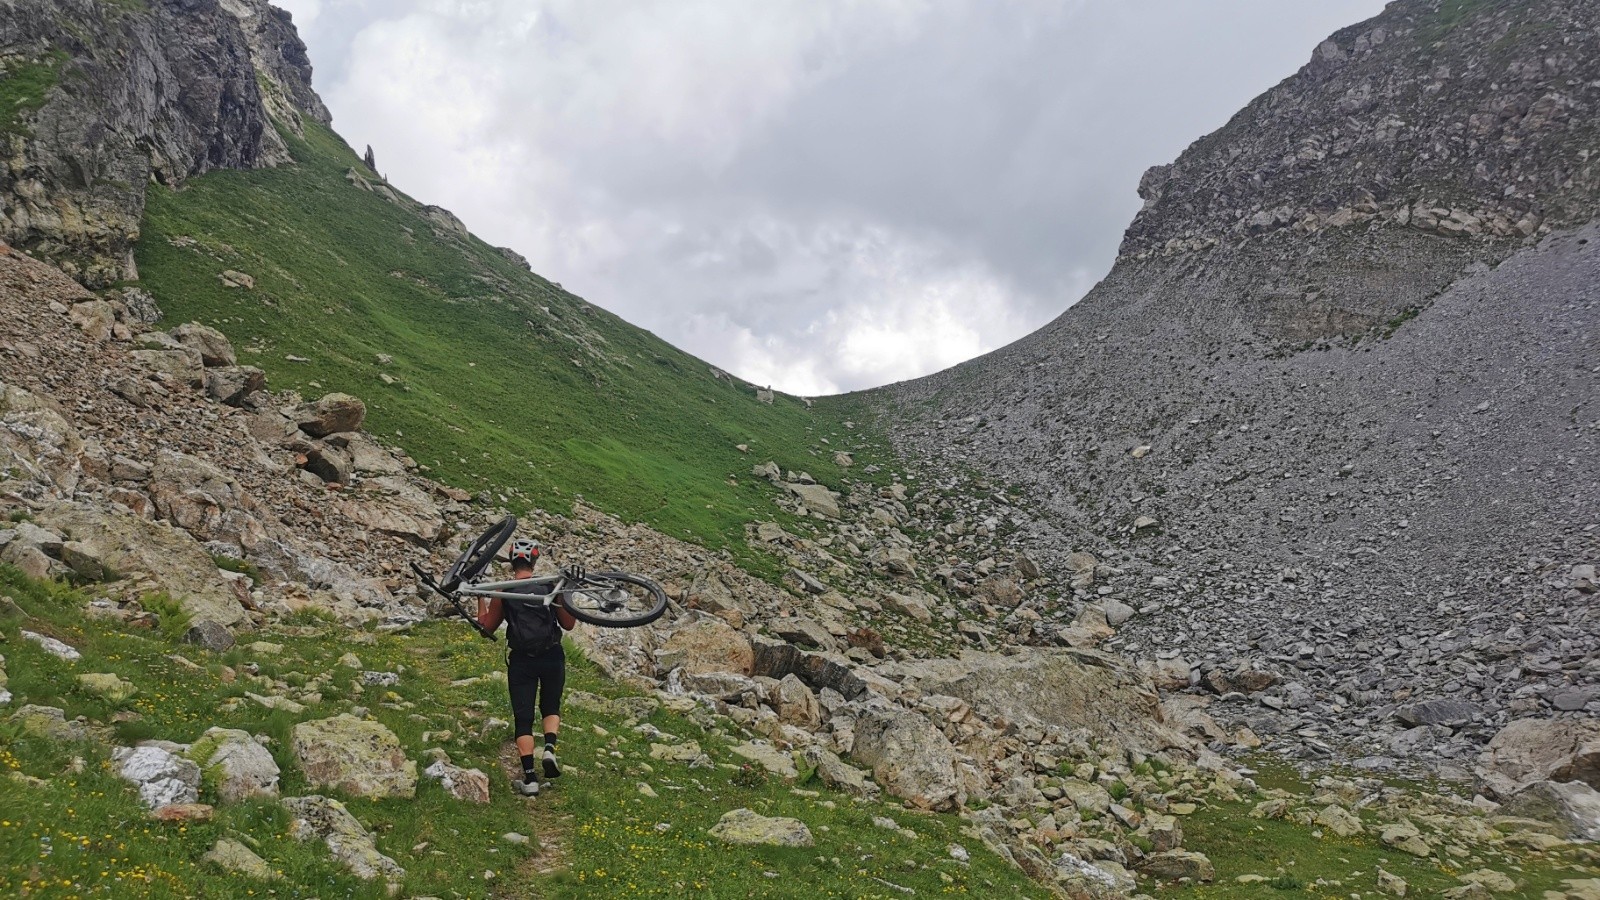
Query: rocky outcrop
x=1082, y=689
x=169, y=557
x=360, y=758
x=908, y=756
x=159, y=92
x=322, y=818
x=1529, y=751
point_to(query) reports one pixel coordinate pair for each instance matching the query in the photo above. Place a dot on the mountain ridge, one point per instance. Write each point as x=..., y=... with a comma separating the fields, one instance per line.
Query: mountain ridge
x=1257, y=420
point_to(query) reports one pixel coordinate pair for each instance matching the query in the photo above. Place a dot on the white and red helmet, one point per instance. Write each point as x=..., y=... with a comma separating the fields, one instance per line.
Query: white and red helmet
x=525, y=551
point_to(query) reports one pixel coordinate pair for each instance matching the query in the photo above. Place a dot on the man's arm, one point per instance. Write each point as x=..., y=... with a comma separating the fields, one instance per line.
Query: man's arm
x=491, y=613
x=564, y=615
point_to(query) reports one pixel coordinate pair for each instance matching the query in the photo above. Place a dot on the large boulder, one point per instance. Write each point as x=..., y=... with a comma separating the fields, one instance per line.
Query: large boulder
x=325, y=818
x=171, y=558
x=816, y=498
x=211, y=344
x=743, y=826
x=358, y=757
x=205, y=501
x=1533, y=750
x=1572, y=805
x=1069, y=687
x=395, y=506
x=40, y=450
x=330, y=414
x=796, y=704
x=909, y=757
x=231, y=384
x=707, y=644
x=235, y=765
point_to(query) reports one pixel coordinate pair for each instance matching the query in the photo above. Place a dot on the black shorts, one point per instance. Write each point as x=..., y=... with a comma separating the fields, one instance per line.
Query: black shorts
x=535, y=680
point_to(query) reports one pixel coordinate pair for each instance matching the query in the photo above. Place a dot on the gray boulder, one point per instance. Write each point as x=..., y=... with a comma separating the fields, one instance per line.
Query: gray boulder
x=171, y=558
x=235, y=765
x=909, y=757
x=163, y=777
x=745, y=827
x=231, y=384
x=1573, y=805
x=318, y=817
x=1532, y=750
x=358, y=757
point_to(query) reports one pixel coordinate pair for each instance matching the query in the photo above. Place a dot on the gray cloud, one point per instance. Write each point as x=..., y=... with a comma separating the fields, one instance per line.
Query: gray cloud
x=822, y=195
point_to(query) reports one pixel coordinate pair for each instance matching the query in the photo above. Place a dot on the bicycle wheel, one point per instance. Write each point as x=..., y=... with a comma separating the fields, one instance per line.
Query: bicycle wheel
x=472, y=561
x=616, y=600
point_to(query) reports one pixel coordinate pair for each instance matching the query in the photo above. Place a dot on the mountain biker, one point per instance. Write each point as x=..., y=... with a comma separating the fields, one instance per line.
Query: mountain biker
x=536, y=666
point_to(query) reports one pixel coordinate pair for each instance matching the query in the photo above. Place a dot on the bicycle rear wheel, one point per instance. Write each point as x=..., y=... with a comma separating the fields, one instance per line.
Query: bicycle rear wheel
x=472, y=561
x=615, y=600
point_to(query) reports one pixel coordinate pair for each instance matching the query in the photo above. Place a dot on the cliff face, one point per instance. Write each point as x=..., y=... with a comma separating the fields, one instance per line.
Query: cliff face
x=1465, y=119
x=1339, y=393
x=127, y=93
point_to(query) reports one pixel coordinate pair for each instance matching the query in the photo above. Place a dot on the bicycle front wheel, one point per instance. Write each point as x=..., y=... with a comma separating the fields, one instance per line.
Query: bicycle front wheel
x=615, y=600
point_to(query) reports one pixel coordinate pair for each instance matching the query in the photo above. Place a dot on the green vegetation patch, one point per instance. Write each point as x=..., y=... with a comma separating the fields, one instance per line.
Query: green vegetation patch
x=24, y=86
x=492, y=377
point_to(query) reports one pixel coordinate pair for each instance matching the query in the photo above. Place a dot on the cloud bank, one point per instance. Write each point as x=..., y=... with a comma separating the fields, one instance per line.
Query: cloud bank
x=822, y=195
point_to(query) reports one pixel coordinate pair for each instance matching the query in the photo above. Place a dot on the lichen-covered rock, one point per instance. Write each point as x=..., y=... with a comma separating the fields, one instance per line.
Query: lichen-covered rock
x=108, y=686
x=235, y=765
x=1572, y=805
x=351, y=844
x=231, y=856
x=909, y=757
x=39, y=447
x=743, y=826
x=358, y=757
x=49, y=722
x=1175, y=864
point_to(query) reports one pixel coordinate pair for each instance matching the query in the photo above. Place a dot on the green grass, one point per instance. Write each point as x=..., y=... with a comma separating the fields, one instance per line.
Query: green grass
x=83, y=833
x=1296, y=862
x=23, y=88
x=501, y=383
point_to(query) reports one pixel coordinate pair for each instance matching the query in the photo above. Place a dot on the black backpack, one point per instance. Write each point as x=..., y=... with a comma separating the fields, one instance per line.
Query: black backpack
x=531, y=626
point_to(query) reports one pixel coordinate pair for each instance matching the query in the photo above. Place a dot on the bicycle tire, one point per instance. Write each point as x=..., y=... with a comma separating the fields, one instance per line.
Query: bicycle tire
x=584, y=606
x=472, y=561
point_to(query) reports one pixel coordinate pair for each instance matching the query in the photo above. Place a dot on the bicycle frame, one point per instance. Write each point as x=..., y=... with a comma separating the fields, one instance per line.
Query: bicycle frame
x=503, y=590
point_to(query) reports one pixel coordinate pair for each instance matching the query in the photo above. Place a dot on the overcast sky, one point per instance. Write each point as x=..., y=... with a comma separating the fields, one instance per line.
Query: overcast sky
x=821, y=195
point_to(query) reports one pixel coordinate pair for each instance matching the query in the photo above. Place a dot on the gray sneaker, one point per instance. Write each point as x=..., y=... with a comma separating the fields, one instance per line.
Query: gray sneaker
x=528, y=788
x=551, y=770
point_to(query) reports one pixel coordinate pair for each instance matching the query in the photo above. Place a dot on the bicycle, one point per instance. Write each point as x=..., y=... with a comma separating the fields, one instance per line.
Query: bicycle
x=606, y=599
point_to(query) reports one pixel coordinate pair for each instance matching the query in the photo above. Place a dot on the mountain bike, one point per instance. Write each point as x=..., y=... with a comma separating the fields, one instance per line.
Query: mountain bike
x=606, y=599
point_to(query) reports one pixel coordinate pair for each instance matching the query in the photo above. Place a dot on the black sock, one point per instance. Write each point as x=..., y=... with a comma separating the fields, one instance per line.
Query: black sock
x=550, y=740
x=528, y=773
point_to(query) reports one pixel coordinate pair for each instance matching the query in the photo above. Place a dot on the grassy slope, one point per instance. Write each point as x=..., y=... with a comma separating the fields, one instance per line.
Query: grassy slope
x=504, y=382
x=23, y=86
x=86, y=834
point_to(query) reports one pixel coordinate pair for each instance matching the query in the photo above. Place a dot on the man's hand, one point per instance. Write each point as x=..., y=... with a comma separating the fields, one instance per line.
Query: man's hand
x=573, y=573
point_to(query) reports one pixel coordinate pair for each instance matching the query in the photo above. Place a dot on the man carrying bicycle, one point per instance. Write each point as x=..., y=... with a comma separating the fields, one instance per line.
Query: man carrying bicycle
x=536, y=666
